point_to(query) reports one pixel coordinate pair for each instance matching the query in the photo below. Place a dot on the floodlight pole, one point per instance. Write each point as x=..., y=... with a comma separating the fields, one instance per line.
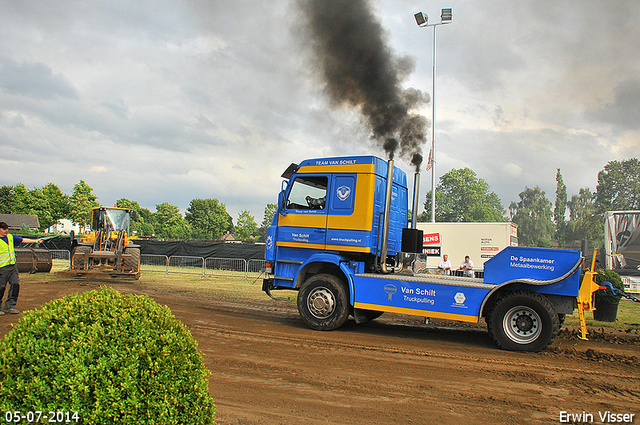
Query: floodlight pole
x=422, y=21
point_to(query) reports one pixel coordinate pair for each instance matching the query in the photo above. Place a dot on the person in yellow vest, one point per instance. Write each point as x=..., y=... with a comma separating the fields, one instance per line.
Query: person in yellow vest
x=9, y=269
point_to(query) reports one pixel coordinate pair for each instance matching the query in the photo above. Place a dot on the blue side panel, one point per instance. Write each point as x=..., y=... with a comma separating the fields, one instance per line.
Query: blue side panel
x=399, y=209
x=301, y=234
x=270, y=244
x=541, y=264
x=344, y=194
x=351, y=238
x=420, y=295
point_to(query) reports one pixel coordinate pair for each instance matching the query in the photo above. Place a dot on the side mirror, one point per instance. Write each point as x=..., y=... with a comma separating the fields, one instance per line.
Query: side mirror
x=281, y=204
x=134, y=216
x=282, y=199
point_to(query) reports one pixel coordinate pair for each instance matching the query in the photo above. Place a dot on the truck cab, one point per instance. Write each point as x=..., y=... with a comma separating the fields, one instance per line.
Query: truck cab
x=333, y=206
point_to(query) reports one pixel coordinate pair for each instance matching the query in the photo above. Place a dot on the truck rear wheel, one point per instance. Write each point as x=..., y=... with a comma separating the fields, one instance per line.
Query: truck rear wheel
x=523, y=321
x=323, y=303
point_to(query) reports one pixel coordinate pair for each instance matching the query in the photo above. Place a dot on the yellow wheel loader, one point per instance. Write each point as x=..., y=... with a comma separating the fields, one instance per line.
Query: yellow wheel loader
x=108, y=250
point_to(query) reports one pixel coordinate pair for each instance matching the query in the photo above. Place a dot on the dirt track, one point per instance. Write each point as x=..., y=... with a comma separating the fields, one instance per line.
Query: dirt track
x=268, y=368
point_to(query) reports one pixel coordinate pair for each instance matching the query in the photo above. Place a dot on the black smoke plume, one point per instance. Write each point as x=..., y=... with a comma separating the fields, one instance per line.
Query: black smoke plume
x=361, y=71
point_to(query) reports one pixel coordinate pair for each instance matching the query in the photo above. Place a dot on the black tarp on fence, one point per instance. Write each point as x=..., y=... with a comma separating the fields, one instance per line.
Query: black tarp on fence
x=246, y=251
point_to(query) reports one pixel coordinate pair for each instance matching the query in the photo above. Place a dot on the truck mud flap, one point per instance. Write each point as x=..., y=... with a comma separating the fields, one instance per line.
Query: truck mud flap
x=267, y=286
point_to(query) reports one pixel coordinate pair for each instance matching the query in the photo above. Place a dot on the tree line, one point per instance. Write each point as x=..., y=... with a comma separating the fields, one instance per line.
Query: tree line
x=462, y=196
x=205, y=219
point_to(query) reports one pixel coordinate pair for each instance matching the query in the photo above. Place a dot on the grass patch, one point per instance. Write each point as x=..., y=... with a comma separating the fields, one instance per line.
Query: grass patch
x=628, y=317
x=219, y=283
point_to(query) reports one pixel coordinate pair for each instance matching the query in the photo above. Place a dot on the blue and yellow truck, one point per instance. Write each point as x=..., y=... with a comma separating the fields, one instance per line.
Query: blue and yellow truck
x=337, y=237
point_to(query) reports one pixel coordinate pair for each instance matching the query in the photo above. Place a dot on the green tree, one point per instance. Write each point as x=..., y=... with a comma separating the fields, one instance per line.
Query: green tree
x=80, y=203
x=58, y=203
x=533, y=217
x=33, y=202
x=7, y=197
x=618, y=186
x=584, y=221
x=170, y=223
x=269, y=211
x=246, y=226
x=22, y=200
x=560, y=209
x=208, y=218
x=462, y=196
x=143, y=225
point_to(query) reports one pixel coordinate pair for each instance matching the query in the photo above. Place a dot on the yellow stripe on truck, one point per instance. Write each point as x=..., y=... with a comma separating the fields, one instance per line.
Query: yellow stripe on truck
x=415, y=312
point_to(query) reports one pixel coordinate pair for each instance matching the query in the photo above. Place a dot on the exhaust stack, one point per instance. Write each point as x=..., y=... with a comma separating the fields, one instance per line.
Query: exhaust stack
x=387, y=218
x=416, y=189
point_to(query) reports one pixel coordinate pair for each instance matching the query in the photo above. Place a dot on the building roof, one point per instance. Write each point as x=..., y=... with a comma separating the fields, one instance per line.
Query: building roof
x=15, y=221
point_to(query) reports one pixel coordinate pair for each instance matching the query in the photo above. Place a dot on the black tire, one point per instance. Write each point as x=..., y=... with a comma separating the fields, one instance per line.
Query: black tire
x=523, y=321
x=77, y=257
x=132, y=264
x=323, y=302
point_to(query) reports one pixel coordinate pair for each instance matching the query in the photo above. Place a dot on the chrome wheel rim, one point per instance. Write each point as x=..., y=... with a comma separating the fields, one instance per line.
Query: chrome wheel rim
x=321, y=303
x=522, y=324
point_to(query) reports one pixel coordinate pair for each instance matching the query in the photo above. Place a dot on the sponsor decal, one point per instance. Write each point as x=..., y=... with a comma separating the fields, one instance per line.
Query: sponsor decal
x=459, y=299
x=343, y=192
x=430, y=238
x=390, y=290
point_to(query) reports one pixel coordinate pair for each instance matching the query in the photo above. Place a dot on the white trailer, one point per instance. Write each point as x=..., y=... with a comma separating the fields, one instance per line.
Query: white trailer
x=480, y=241
x=622, y=246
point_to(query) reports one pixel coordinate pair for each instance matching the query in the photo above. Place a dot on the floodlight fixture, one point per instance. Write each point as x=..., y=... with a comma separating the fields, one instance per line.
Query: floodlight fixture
x=446, y=15
x=421, y=19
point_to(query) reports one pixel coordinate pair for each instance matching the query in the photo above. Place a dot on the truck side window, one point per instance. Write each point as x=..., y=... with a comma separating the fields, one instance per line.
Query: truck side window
x=308, y=193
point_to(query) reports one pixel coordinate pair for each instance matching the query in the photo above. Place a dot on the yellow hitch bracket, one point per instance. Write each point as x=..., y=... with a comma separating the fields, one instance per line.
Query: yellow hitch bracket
x=585, y=296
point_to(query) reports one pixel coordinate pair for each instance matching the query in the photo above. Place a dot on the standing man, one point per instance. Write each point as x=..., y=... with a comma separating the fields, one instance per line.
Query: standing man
x=9, y=269
x=467, y=267
x=445, y=265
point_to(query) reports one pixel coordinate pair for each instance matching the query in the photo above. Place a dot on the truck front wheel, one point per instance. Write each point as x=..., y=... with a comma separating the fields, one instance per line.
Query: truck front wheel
x=323, y=303
x=523, y=321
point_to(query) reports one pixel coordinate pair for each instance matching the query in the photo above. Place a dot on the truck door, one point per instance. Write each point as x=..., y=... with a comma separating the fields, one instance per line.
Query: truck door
x=303, y=221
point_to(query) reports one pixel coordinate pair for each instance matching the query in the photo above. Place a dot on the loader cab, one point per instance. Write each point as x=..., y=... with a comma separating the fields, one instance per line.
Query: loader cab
x=110, y=219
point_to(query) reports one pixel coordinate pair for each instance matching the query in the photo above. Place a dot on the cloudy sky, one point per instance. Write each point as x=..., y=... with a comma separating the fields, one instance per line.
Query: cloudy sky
x=172, y=100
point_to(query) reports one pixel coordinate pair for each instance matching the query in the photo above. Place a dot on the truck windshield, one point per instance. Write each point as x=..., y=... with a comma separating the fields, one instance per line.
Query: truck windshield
x=308, y=193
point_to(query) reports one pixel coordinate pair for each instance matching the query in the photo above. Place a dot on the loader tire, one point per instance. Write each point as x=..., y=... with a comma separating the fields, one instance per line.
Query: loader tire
x=523, y=321
x=132, y=264
x=77, y=257
x=323, y=302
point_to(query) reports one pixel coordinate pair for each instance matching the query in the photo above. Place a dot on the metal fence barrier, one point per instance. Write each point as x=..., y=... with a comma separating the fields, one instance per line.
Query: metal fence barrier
x=60, y=254
x=226, y=267
x=256, y=267
x=184, y=264
x=236, y=267
x=154, y=263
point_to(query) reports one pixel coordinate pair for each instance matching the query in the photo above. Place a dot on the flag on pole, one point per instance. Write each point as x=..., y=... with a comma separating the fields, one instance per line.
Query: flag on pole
x=429, y=161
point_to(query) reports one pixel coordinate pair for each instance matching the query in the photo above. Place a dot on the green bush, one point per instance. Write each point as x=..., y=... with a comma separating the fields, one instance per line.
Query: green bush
x=605, y=295
x=113, y=358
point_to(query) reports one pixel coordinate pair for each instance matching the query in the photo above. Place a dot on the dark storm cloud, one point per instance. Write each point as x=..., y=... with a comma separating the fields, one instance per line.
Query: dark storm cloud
x=35, y=80
x=624, y=111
